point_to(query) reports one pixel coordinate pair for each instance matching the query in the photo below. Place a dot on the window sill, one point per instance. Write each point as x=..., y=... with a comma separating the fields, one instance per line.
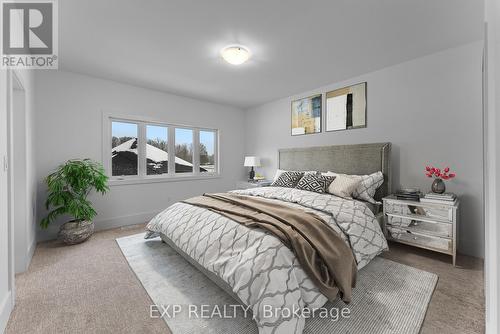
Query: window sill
x=145, y=180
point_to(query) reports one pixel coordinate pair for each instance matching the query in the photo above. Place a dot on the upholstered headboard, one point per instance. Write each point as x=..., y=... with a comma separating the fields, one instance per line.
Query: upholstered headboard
x=359, y=159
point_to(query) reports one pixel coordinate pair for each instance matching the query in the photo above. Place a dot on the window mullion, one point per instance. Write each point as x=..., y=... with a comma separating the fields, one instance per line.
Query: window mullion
x=216, y=152
x=141, y=149
x=171, y=151
x=108, y=148
x=196, y=151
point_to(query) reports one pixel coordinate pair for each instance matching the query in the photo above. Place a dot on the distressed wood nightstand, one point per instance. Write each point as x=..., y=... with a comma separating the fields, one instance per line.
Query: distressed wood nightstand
x=431, y=226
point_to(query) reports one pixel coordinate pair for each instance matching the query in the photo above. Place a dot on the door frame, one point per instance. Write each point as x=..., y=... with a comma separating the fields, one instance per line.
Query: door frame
x=14, y=82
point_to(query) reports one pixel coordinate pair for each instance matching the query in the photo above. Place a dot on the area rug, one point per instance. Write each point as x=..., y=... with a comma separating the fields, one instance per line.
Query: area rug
x=389, y=297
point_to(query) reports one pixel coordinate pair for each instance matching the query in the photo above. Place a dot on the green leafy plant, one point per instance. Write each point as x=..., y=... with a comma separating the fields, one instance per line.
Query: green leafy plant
x=68, y=189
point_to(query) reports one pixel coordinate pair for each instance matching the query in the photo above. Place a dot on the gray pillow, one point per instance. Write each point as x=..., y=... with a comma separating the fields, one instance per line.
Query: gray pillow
x=367, y=187
x=343, y=186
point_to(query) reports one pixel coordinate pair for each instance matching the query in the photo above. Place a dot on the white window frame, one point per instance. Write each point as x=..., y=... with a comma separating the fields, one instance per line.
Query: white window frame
x=142, y=176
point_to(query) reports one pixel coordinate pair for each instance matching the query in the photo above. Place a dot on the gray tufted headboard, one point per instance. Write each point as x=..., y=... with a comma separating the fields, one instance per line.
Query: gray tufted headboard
x=359, y=159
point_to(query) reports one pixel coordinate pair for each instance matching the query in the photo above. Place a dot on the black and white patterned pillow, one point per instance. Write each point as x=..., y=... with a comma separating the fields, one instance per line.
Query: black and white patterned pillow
x=315, y=182
x=288, y=179
x=368, y=186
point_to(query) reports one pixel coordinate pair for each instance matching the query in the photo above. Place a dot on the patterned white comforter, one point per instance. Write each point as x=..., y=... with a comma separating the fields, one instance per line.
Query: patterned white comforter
x=261, y=271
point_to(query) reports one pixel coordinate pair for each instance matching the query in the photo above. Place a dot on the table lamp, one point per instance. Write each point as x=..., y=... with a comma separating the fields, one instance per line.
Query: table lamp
x=251, y=162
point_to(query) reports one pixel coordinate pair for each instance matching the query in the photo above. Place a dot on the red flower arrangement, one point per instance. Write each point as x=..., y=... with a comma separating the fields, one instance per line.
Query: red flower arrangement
x=438, y=173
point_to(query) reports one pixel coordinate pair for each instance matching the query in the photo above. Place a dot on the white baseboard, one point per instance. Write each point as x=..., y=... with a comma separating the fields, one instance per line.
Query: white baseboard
x=6, y=306
x=122, y=221
x=105, y=224
x=26, y=260
x=31, y=251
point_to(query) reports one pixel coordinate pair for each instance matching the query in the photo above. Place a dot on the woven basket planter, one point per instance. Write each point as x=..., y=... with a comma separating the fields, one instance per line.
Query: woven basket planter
x=75, y=232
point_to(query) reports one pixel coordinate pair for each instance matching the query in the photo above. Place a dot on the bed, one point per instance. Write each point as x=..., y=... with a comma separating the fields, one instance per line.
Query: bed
x=254, y=266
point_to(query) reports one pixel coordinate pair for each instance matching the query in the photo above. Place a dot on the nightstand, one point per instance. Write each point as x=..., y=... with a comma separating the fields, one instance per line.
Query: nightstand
x=248, y=184
x=426, y=225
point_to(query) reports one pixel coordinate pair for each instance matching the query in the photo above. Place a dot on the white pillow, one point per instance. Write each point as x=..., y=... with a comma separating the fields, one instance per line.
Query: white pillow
x=280, y=171
x=367, y=187
x=343, y=186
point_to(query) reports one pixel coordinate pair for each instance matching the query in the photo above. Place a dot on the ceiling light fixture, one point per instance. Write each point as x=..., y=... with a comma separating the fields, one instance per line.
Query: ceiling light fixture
x=235, y=54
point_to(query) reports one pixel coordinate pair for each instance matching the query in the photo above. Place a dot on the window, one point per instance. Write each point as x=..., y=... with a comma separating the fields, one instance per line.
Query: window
x=156, y=150
x=153, y=150
x=183, y=150
x=207, y=151
x=124, y=149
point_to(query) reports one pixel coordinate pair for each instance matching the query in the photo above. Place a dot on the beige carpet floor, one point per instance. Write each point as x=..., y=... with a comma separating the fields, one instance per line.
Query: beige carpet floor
x=89, y=288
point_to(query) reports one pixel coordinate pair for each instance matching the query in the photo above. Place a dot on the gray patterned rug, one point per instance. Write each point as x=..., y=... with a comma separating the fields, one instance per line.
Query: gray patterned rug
x=389, y=297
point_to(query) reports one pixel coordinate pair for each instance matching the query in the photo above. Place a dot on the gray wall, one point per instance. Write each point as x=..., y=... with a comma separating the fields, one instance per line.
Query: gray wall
x=429, y=108
x=69, y=125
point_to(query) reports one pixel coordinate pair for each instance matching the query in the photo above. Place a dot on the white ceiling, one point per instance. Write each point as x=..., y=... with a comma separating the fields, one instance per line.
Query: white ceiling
x=297, y=45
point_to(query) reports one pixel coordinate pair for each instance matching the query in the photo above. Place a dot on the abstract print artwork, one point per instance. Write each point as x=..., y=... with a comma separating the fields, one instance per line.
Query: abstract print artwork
x=346, y=108
x=306, y=115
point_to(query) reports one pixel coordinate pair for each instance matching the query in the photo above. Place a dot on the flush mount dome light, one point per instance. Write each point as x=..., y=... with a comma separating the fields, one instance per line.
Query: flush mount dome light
x=235, y=54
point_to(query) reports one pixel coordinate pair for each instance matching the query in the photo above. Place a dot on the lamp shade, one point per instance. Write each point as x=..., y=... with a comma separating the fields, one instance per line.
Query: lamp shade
x=252, y=162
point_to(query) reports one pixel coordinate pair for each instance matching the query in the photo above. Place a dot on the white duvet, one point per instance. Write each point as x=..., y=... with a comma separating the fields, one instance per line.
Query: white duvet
x=261, y=271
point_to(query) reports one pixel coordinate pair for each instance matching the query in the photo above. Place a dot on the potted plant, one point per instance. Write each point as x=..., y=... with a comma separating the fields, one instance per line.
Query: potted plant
x=68, y=189
x=439, y=175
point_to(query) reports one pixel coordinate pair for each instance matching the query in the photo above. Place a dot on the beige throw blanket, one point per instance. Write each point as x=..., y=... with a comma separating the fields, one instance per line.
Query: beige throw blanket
x=322, y=253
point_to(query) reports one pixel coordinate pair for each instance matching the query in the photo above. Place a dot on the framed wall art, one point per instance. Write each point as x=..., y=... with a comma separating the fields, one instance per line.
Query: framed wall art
x=306, y=115
x=346, y=108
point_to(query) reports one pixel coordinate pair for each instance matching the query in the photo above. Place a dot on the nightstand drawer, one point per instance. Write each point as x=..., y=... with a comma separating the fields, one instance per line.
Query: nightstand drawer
x=422, y=240
x=434, y=229
x=441, y=213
